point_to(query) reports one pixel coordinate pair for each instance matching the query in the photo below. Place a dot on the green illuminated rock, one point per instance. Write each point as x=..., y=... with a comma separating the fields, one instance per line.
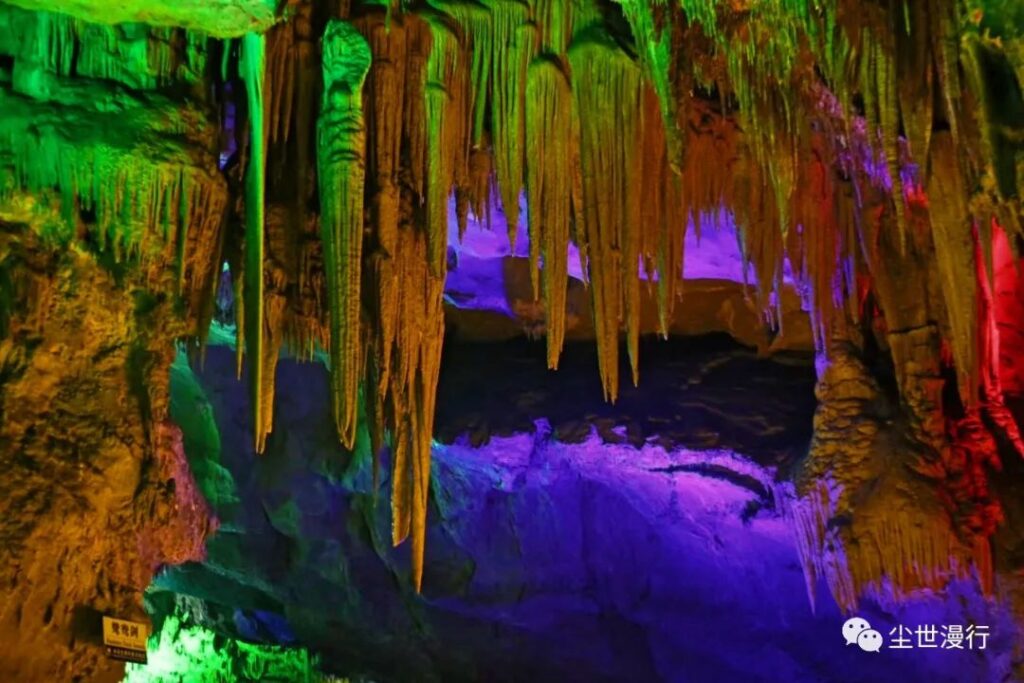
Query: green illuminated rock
x=220, y=18
x=341, y=154
x=187, y=653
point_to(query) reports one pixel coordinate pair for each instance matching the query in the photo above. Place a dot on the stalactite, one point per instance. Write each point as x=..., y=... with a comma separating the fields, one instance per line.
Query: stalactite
x=446, y=126
x=340, y=166
x=476, y=24
x=816, y=259
x=951, y=233
x=281, y=80
x=889, y=120
x=418, y=49
x=664, y=215
x=396, y=79
x=416, y=365
x=757, y=216
x=384, y=96
x=134, y=54
x=503, y=40
x=294, y=74
x=421, y=277
x=253, y=66
x=554, y=19
x=548, y=136
x=654, y=42
x=148, y=202
x=416, y=103
x=904, y=548
x=946, y=43
x=915, y=83
x=513, y=45
x=606, y=89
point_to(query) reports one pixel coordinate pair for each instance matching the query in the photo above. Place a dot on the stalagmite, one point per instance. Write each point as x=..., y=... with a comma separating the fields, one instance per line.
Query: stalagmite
x=340, y=165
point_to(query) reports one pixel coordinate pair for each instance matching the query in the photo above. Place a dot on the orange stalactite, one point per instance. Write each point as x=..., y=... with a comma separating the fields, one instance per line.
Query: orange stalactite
x=422, y=269
x=660, y=256
x=817, y=250
x=606, y=89
x=412, y=390
x=549, y=194
x=954, y=252
x=418, y=114
x=385, y=106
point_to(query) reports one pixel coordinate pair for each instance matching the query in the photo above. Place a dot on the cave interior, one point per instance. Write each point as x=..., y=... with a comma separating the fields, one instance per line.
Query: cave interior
x=512, y=340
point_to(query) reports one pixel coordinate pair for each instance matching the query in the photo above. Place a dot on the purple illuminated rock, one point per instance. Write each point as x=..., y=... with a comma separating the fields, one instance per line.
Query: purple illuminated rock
x=595, y=560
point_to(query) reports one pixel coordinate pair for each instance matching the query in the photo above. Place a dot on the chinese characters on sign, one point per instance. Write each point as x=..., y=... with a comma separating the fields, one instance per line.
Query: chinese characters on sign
x=857, y=631
x=125, y=640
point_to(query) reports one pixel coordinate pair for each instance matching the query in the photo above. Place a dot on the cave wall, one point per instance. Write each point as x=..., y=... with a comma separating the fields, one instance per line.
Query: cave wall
x=98, y=495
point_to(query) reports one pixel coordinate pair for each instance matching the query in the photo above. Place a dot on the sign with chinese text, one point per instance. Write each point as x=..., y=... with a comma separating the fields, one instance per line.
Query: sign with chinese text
x=125, y=640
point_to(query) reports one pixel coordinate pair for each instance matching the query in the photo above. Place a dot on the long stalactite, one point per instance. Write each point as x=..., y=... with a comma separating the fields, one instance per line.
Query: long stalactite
x=341, y=150
x=549, y=191
x=253, y=63
x=606, y=88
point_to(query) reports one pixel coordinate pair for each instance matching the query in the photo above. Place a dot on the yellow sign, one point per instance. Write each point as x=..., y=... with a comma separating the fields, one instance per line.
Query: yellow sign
x=125, y=639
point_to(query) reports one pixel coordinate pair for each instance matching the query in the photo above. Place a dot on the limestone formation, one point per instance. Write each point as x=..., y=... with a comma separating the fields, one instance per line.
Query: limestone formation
x=305, y=172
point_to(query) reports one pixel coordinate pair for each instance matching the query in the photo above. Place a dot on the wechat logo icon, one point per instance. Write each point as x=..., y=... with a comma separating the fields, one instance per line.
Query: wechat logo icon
x=857, y=631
